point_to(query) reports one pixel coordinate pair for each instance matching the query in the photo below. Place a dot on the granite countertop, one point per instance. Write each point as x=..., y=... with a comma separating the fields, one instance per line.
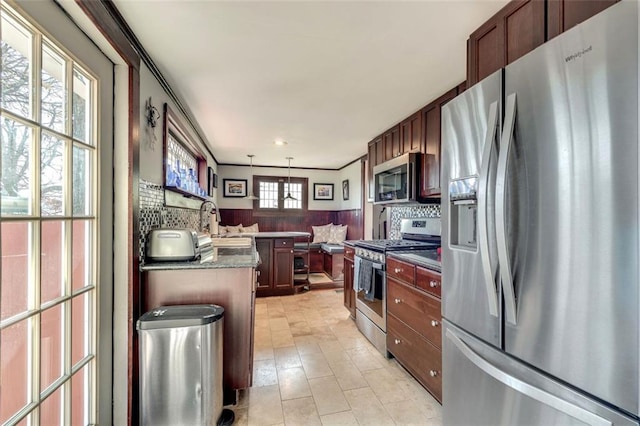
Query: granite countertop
x=227, y=257
x=283, y=234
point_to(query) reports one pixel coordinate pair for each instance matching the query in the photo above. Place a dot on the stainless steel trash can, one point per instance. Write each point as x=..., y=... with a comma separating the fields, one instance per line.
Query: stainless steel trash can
x=181, y=365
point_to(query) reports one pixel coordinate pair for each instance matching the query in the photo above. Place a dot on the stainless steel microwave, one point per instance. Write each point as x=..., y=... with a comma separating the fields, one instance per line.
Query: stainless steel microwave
x=397, y=180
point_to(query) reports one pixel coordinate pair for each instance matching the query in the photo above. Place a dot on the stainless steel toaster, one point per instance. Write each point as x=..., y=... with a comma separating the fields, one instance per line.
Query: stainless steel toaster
x=172, y=245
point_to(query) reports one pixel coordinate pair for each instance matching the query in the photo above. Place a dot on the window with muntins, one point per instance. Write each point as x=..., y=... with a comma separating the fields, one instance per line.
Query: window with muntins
x=273, y=191
x=185, y=165
x=48, y=230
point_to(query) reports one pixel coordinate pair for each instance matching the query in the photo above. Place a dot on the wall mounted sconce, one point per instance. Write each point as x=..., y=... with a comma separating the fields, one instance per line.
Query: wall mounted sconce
x=152, y=114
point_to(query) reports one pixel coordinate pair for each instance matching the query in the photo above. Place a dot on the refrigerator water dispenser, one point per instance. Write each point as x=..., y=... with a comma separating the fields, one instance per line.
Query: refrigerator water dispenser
x=464, y=213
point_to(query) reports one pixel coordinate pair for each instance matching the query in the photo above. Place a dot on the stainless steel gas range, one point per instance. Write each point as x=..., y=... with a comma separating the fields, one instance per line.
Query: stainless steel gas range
x=369, y=281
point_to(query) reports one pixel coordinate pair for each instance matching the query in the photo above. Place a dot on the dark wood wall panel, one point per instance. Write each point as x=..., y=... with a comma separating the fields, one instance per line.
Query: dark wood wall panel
x=354, y=219
x=303, y=223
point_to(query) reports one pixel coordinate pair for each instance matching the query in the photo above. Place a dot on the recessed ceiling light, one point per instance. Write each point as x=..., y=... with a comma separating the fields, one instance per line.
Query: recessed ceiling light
x=280, y=143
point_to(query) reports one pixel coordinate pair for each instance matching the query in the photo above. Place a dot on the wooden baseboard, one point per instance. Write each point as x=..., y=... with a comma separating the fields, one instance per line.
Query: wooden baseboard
x=323, y=286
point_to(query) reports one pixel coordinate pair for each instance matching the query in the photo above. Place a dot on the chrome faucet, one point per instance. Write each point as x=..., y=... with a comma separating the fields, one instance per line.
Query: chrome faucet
x=209, y=207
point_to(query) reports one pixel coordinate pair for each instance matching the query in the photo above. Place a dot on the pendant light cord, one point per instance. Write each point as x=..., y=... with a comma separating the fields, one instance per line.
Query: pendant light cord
x=289, y=197
x=251, y=196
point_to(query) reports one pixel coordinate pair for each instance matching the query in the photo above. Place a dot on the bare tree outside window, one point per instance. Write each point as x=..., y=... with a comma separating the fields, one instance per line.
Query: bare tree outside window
x=17, y=136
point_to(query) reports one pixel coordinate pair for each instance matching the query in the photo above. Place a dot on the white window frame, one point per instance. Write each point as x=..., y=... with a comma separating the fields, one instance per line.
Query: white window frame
x=31, y=316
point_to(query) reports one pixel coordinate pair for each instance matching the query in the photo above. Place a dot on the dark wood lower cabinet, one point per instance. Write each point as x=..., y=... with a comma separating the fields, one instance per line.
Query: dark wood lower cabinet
x=422, y=359
x=316, y=260
x=282, y=268
x=276, y=268
x=414, y=322
x=265, y=251
x=419, y=311
x=231, y=288
x=333, y=265
x=349, y=295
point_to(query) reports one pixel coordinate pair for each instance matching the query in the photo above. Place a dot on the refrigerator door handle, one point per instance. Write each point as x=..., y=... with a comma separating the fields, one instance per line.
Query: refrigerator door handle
x=525, y=388
x=488, y=268
x=506, y=142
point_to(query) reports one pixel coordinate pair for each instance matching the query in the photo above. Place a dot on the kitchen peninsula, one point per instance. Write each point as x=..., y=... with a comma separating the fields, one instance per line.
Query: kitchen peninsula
x=276, y=270
x=228, y=280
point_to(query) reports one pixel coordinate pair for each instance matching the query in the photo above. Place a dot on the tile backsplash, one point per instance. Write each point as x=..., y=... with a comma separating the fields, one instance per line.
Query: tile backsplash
x=155, y=214
x=397, y=213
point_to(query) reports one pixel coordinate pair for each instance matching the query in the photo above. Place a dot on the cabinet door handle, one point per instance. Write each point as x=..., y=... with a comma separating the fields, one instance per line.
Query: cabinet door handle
x=397, y=341
x=434, y=323
x=397, y=300
x=397, y=270
x=434, y=284
x=433, y=373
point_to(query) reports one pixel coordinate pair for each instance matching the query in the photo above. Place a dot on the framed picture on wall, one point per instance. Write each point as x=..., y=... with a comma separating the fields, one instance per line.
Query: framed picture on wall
x=234, y=187
x=345, y=189
x=212, y=181
x=323, y=191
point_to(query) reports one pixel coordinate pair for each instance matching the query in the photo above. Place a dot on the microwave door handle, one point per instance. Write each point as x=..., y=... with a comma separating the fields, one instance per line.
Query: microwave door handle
x=506, y=143
x=411, y=185
x=488, y=267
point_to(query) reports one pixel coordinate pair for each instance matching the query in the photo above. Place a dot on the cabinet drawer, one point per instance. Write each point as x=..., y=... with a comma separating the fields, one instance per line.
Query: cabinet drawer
x=417, y=355
x=428, y=280
x=401, y=270
x=418, y=310
x=282, y=242
x=348, y=252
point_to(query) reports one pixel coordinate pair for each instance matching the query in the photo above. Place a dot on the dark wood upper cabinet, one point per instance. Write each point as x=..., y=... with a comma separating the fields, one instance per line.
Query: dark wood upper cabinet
x=411, y=133
x=391, y=141
x=430, y=177
x=379, y=143
x=462, y=87
x=515, y=30
x=519, y=27
x=375, y=152
x=565, y=14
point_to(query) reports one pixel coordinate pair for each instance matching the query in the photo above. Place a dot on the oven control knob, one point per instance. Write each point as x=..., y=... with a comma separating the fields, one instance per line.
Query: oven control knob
x=433, y=373
x=434, y=323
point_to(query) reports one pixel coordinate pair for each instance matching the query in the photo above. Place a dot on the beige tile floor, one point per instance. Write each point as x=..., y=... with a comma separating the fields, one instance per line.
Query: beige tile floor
x=313, y=367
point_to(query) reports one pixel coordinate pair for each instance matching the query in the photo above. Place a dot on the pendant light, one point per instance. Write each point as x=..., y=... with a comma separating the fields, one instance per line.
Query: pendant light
x=289, y=197
x=251, y=196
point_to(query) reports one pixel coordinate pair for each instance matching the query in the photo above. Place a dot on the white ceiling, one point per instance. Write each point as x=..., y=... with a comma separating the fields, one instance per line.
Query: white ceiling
x=326, y=77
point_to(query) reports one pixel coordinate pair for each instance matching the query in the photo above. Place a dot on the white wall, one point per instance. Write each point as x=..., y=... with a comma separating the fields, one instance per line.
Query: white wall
x=151, y=149
x=352, y=173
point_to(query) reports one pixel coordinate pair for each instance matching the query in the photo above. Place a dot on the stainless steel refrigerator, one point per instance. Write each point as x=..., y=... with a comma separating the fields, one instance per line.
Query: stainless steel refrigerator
x=540, y=236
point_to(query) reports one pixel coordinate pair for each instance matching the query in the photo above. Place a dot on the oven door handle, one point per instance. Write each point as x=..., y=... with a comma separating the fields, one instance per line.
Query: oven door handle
x=377, y=265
